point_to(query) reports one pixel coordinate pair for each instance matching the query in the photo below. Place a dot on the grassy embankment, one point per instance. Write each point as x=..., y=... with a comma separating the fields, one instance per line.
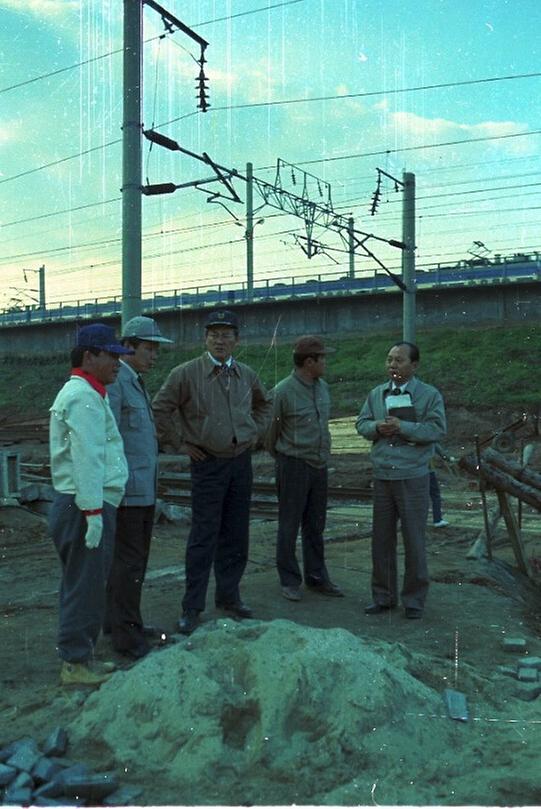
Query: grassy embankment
x=479, y=368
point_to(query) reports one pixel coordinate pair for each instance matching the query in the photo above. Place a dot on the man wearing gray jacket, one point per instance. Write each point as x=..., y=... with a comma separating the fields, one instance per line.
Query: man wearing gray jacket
x=131, y=407
x=404, y=418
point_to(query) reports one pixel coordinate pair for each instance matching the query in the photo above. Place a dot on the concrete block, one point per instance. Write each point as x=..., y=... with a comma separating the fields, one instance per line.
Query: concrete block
x=124, y=796
x=529, y=662
x=527, y=675
x=22, y=781
x=11, y=748
x=62, y=762
x=18, y=797
x=92, y=788
x=52, y=789
x=528, y=691
x=7, y=774
x=10, y=472
x=56, y=743
x=514, y=645
x=508, y=671
x=457, y=707
x=76, y=770
x=169, y=512
x=25, y=757
x=45, y=770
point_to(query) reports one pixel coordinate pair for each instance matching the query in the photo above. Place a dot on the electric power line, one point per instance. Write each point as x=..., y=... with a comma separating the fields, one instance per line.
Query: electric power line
x=150, y=39
x=368, y=94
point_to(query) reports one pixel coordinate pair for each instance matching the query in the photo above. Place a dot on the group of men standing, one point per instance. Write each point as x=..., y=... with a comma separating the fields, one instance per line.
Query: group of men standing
x=105, y=434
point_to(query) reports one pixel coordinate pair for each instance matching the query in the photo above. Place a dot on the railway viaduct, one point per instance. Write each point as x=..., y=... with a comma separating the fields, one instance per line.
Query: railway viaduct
x=461, y=306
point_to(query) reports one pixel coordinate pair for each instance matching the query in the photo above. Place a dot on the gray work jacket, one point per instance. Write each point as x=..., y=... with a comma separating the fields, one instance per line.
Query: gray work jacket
x=133, y=413
x=300, y=420
x=408, y=454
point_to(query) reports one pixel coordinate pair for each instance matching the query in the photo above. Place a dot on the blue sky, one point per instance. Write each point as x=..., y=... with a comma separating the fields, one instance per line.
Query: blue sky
x=487, y=191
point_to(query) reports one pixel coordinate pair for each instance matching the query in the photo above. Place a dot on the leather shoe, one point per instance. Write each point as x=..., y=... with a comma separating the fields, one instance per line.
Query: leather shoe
x=239, y=609
x=189, y=622
x=291, y=593
x=413, y=612
x=325, y=588
x=152, y=631
x=376, y=609
x=135, y=652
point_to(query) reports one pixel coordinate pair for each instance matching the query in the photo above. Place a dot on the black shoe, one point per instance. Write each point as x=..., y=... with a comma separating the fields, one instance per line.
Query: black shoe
x=155, y=635
x=189, y=622
x=135, y=652
x=413, y=612
x=239, y=609
x=325, y=588
x=376, y=609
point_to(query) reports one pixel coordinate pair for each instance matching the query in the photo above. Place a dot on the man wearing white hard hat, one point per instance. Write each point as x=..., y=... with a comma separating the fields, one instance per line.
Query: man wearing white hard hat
x=131, y=407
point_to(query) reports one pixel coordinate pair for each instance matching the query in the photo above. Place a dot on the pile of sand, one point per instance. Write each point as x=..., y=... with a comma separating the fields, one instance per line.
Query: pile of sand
x=279, y=713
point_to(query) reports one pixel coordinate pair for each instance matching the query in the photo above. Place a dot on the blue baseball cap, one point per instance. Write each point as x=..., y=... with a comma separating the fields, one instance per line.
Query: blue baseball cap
x=98, y=335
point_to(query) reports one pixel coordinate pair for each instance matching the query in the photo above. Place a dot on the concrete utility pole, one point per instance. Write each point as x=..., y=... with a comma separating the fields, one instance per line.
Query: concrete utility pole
x=351, y=246
x=249, y=232
x=42, y=286
x=131, y=161
x=408, y=257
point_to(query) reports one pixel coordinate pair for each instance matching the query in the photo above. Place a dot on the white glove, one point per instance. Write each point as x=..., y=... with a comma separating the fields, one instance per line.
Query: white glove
x=94, y=530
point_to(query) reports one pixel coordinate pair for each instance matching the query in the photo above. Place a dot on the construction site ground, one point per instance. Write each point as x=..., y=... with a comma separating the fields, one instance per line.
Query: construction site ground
x=473, y=606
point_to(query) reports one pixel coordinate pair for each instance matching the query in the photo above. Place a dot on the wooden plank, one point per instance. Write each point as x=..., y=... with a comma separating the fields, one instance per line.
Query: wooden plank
x=514, y=534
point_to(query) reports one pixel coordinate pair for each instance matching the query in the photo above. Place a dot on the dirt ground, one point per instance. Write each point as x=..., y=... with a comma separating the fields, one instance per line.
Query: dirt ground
x=472, y=606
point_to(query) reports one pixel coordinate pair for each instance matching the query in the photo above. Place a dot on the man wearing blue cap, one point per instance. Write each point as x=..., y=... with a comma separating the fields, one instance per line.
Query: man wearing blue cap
x=89, y=472
x=131, y=407
x=223, y=411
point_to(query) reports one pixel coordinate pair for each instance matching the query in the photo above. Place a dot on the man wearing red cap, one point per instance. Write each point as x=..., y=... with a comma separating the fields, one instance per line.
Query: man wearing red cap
x=300, y=441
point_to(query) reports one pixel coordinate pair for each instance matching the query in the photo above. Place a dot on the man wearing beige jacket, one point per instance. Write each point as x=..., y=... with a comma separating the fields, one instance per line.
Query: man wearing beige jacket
x=223, y=410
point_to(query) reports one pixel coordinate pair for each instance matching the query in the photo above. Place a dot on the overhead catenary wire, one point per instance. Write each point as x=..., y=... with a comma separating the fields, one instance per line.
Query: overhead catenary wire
x=60, y=70
x=367, y=94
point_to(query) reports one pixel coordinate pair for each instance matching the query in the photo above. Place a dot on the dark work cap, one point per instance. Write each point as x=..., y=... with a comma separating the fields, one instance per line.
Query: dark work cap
x=222, y=317
x=309, y=344
x=98, y=335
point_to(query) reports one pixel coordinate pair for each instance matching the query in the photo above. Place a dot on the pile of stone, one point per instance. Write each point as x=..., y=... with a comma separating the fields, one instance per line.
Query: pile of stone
x=30, y=775
x=526, y=670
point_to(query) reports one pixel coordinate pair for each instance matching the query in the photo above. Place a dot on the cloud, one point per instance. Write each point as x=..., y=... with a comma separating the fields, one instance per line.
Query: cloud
x=411, y=124
x=417, y=129
x=51, y=8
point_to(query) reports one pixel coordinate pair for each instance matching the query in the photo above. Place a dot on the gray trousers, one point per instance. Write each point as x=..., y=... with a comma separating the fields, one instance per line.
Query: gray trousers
x=302, y=503
x=84, y=576
x=408, y=501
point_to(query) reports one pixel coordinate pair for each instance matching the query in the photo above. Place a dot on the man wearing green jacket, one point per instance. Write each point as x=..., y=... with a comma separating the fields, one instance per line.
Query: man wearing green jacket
x=300, y=441
x=404, y=418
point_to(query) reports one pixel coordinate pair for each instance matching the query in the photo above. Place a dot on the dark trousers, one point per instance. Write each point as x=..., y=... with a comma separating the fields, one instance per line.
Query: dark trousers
x=435, y=497
x=302, y=503
x=124, y=588
x=406, y=500
x=84, y=577
x=221, y=492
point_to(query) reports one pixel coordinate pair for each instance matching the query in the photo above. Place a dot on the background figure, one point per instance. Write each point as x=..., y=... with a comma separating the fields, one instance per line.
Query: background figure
x=132, y=409
x=223, y=411
x=300, y=441
x=89, y=472
x=403, y=418
x=434, y=490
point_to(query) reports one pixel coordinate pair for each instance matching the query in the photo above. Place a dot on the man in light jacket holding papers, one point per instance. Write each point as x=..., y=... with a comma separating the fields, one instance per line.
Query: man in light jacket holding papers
x=404, y=418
